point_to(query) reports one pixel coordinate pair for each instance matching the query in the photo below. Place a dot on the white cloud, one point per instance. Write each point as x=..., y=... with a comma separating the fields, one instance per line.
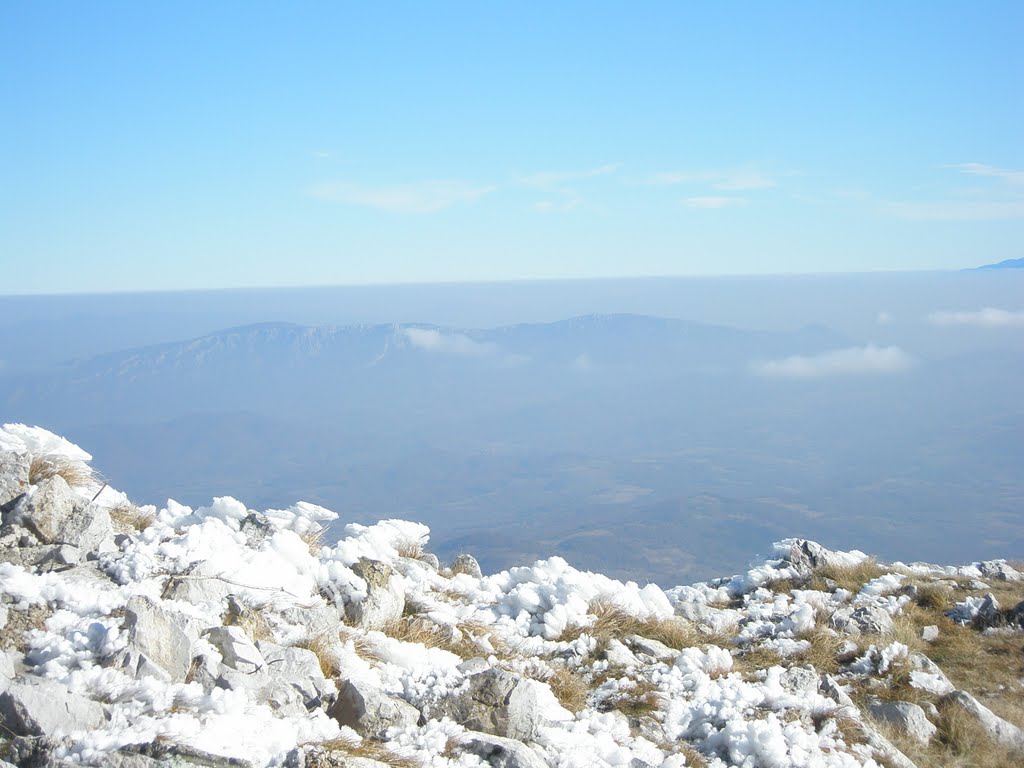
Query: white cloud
x=457, y=344
x=884, y=318
x=714, y=201
x=980, y=169
x=550, y=178
x=854, y=361
x=958, y=211
x=726, y=181
x=989, y=317
x=412, y=197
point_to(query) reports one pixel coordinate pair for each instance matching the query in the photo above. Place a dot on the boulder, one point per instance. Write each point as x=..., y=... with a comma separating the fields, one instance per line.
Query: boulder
x=38, y=707
x=385, y=599
x=298, y=667
x=906, y=716
x=872, y=620
x=1005, y=733
x=466, y=564
x=237, y=650
x=500, y=702
x=369, y=711
x=499, y=752
x=648, y=647
x=13, y=477
x=800, y=680
x=45, y=508
x=617, y=654
x=1016, y=615
x=930, y=633
x=156, y=641
x=430, y=560
x=998, y=569
x=807, y=555
x=926, y=675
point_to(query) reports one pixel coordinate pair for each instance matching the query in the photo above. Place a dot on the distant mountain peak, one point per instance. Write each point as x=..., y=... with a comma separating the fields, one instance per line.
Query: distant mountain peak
x=1005, y=264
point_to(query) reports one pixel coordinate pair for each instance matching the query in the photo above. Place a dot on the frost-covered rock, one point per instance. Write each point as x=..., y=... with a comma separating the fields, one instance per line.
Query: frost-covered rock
x=906, y=716
x=467, y=564
x=45, y=508
x=156, y=641
x=384, y=601
x=297, y=667
x=369, y=711
x=14, y=468
x=999, y=569
x=500, y=752
x=236, y=649
x=37, y=707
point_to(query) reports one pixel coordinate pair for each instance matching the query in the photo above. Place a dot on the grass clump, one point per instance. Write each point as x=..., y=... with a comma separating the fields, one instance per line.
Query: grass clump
x=126, y=516
x=365, y=748
x=611, y=622
x=458, y=639
x=323, y=646
x=849, y=577
x=570, y=688
x=48, y=465
x=250, y=620
x=823, y=653
x=315, y=538
x=751, y=661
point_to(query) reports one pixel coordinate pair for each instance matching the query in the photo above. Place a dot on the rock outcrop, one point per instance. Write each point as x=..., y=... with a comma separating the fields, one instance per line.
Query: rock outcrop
x=222, y=636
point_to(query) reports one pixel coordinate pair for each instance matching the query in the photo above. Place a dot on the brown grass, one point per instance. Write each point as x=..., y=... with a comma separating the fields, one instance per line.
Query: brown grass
x=642, y=699
x=315, y=538
x=611, y=622
x=570, y=688
x=933, y=596
x=127, y=516
x=366, y=748
x=12, y=636
x=457, y=640
x=251, y=621
x=322, y=646
x=49, y=465
x=823, y=654
x=849, y=577
x=410, y=549
x=752, y=660
x=694, y=759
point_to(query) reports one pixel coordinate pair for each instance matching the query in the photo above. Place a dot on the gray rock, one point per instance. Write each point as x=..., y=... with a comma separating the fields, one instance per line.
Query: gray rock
x=38, y=707
x=800, y=680
x=617, y=654
x=44, y=509
x=87, y=527
x=6, y=671
x=648, y=647
x=872, y=620
x=930, y=633
x=13, y=477
x=977, y=586
x=430, y=559
x=998, y=569
x=298, y=667
x=156, y=641
x=237, y=650
x=370, y=711
x=926, y=675
x=466, y=564
x=473, y=666
x=908, y=717
x=170, y=755
x=384, y=601
x=808, y=555
x=501, y=752
x=499, y=702
x=1005, y=733
x=1016, y=615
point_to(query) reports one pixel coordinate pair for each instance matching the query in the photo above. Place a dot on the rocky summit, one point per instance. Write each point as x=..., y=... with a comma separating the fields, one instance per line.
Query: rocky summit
x=137, y=637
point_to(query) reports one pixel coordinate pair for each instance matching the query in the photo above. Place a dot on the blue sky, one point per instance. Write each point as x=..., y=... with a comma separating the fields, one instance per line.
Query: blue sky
x=203, y=145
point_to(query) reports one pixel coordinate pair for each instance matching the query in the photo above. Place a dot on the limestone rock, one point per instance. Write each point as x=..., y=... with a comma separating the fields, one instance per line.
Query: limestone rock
x=1005, y=733
x=926, y=675
x=906, y=716
x=237, y=650
x=370, y=711
x=430, y=559
x=998, y=569
x=617, y=654
x=155, y=640
x=930, y=633
x=501, y=752
x=502, y=703
x=38, y=707
x=13, y=477
x=45, y=508
x=654, y=648
x=872, y=620
x=466, y=564
x=385, y=599
x=298, y=667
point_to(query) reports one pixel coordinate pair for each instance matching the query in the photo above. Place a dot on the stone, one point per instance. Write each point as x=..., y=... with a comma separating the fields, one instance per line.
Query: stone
x=170, y=755
x=906, y=716
x=800, y=680
x=298, y=667
x=926, y=675
x=87, y=527
x=500, y=702
x=385, y=599
x=1000, y=570
x=6, y=671
x=807, y=555
x=39, y=707
x=473, y=666
x=872, y=620
x=466, y=564
x=369, y=711
x=617, y=654
x=430, y=559
x=1002, y=731
x=930, y=633
x=44, y=509
x=155, y=641
x=499, y=752
x=977, y=586
x=236, y=649
x=648, y=647
x=13, y=477
x=988, y=612
x=1016, y=614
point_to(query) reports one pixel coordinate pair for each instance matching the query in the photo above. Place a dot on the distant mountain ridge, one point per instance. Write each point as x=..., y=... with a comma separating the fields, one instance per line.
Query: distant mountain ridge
x=1005, y=264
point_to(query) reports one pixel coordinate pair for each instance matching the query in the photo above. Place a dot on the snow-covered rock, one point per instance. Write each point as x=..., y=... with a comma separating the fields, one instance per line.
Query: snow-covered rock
x=906, y=716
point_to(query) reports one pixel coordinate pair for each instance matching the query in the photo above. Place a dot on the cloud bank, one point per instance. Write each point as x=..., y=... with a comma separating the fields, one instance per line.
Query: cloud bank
x=989, y=317
x=853, y=361
x=457, y=344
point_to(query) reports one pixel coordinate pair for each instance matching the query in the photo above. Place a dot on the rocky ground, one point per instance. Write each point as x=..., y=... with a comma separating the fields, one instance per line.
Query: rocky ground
x=134, y=637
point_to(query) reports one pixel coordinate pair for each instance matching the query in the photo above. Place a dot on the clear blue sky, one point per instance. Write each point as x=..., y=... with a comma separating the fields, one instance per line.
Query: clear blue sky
x=214, y=144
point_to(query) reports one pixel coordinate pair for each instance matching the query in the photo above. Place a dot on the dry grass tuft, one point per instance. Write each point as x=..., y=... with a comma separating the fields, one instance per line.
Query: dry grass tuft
x=458, y=640
x=611, y=622
x=366, y=748
x=12, y=636
x=411, y=549
x=850, y=577
x=47, y=465
x=127, y=516
x=315, y=538
x=694, y=759
x=323, y=646
x=641, y=699
x=751, y=661
x=823, y=654
x=933, y=596
x=570, y=688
